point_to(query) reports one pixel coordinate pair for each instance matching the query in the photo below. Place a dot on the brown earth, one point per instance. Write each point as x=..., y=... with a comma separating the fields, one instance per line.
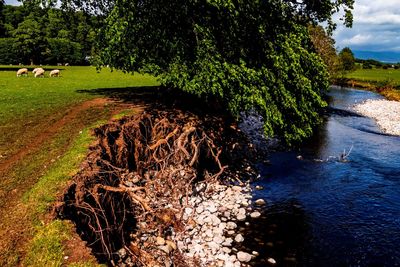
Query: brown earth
x=16, y=224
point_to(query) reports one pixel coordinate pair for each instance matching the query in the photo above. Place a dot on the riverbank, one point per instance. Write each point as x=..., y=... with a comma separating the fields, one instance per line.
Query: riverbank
x=386, y=114
x=387, y=90
x=157, y=190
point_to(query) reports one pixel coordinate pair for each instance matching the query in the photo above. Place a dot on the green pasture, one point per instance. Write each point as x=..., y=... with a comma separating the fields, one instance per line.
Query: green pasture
x=377, y=76
x=28, y=103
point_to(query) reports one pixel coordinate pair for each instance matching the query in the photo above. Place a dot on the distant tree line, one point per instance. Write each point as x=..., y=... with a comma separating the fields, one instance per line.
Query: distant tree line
x=30, y=34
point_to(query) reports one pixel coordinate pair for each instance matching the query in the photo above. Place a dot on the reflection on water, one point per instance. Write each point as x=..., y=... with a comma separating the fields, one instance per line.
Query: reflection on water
x=325, y=212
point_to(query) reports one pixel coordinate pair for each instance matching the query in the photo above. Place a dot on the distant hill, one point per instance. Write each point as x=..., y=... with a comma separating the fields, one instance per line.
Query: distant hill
x=388, y=57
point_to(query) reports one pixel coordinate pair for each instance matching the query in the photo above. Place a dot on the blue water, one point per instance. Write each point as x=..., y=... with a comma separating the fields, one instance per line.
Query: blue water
x=325, y=212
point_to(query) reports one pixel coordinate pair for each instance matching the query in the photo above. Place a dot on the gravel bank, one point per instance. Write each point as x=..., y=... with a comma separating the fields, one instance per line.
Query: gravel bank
x=386, y=113
x=210, y=232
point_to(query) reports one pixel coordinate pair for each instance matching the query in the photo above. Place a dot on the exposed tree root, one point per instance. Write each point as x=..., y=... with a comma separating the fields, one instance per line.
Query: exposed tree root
x=137, y=179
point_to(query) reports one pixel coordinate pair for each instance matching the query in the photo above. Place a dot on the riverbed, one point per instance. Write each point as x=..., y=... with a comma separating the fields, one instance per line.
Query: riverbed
x=336, y=200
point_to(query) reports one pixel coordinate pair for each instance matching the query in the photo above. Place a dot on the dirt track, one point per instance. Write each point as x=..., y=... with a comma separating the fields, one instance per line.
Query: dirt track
x=15, y=225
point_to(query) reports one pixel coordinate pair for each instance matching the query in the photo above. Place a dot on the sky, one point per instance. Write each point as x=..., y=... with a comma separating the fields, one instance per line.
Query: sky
x=376, y=26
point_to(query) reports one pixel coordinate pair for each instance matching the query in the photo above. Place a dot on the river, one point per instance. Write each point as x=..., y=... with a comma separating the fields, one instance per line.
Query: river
x=323, y=211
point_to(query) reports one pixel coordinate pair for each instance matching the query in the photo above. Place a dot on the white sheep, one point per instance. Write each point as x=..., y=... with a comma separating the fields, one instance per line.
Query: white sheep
x=20, y=72
x=54, y=73
x=37, y=69
x=39, y=73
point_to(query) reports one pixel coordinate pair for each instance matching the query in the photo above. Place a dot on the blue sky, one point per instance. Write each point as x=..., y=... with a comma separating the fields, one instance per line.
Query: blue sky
x=376, y=26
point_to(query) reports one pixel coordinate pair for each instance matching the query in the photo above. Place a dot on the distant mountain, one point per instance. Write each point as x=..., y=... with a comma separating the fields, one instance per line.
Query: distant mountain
x=388, y=57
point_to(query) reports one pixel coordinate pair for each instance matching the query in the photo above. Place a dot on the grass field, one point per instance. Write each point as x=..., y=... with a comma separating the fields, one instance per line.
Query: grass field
x=376, y=75
x=385, y=82
x=44, y=135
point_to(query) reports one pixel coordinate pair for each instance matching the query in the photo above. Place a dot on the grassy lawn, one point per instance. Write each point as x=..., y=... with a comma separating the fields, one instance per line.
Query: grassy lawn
x=45, y=130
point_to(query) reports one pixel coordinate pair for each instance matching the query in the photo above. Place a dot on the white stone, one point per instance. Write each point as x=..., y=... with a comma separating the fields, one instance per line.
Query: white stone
x=243, y=256
x=241, y=217
x=239, y=238
x=271, y=260
x=260, y=202
x=227, y=250
x=212, y=208
x=231, y=226
x=228, y=242
x=188, y=211
x=199, y=209
x=255, y=214
x=218, y=239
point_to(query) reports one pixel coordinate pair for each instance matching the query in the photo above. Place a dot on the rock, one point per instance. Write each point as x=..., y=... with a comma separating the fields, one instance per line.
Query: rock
x=209, y=233
x=199, y=209
x=218, y=239
x=188, y=211
x=171, y=245
x=259, y=187
x=121, y=253
x=228, y=242
x=271, y=260
x=241, y=211
x=255, y=253
x=255, y=214
x=212, y=208
x=243, y=256
x=260, y=202
x=226, y=250
x=231, y=226
x=160, y=241
x=239, y=238
x=241, y=217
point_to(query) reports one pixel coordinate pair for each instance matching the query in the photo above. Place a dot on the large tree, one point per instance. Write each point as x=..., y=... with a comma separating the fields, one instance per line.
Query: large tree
x=347, y=59
x=251, y=55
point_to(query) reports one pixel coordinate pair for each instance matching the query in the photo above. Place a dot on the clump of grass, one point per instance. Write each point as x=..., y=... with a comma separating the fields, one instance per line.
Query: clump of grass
x=46, y=248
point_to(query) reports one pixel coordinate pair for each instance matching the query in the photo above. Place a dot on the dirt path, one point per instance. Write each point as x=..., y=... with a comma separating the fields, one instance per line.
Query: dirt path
x=49, y=132
x=15, y=224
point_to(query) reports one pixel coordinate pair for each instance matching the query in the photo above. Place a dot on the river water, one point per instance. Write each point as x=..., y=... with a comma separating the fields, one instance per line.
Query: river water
x=323, y=211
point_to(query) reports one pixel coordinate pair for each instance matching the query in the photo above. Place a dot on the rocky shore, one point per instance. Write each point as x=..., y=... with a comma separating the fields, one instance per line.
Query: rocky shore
x=211, y=234
x=386, y=114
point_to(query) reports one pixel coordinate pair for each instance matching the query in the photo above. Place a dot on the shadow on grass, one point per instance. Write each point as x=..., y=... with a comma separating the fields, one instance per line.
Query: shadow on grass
x=161, y=97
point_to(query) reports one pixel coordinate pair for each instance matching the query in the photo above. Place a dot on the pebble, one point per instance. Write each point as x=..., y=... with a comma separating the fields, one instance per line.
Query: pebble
x=260, y=202
x=255, y=215
x=271, y=260
x=239, y=238
x=244, y=256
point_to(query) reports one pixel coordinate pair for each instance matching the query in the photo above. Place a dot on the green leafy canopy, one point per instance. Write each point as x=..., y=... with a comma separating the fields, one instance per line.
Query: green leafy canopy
x=253, y=55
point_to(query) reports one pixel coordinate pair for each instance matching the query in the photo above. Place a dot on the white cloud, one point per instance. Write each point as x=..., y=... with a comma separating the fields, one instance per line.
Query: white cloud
x=376, y=26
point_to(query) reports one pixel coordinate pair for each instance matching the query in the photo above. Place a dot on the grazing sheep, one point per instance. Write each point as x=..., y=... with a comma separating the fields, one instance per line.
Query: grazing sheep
x=39, y=73
x=37, y=69
x=66, y=64
x=54, y=73
x=20, y=72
